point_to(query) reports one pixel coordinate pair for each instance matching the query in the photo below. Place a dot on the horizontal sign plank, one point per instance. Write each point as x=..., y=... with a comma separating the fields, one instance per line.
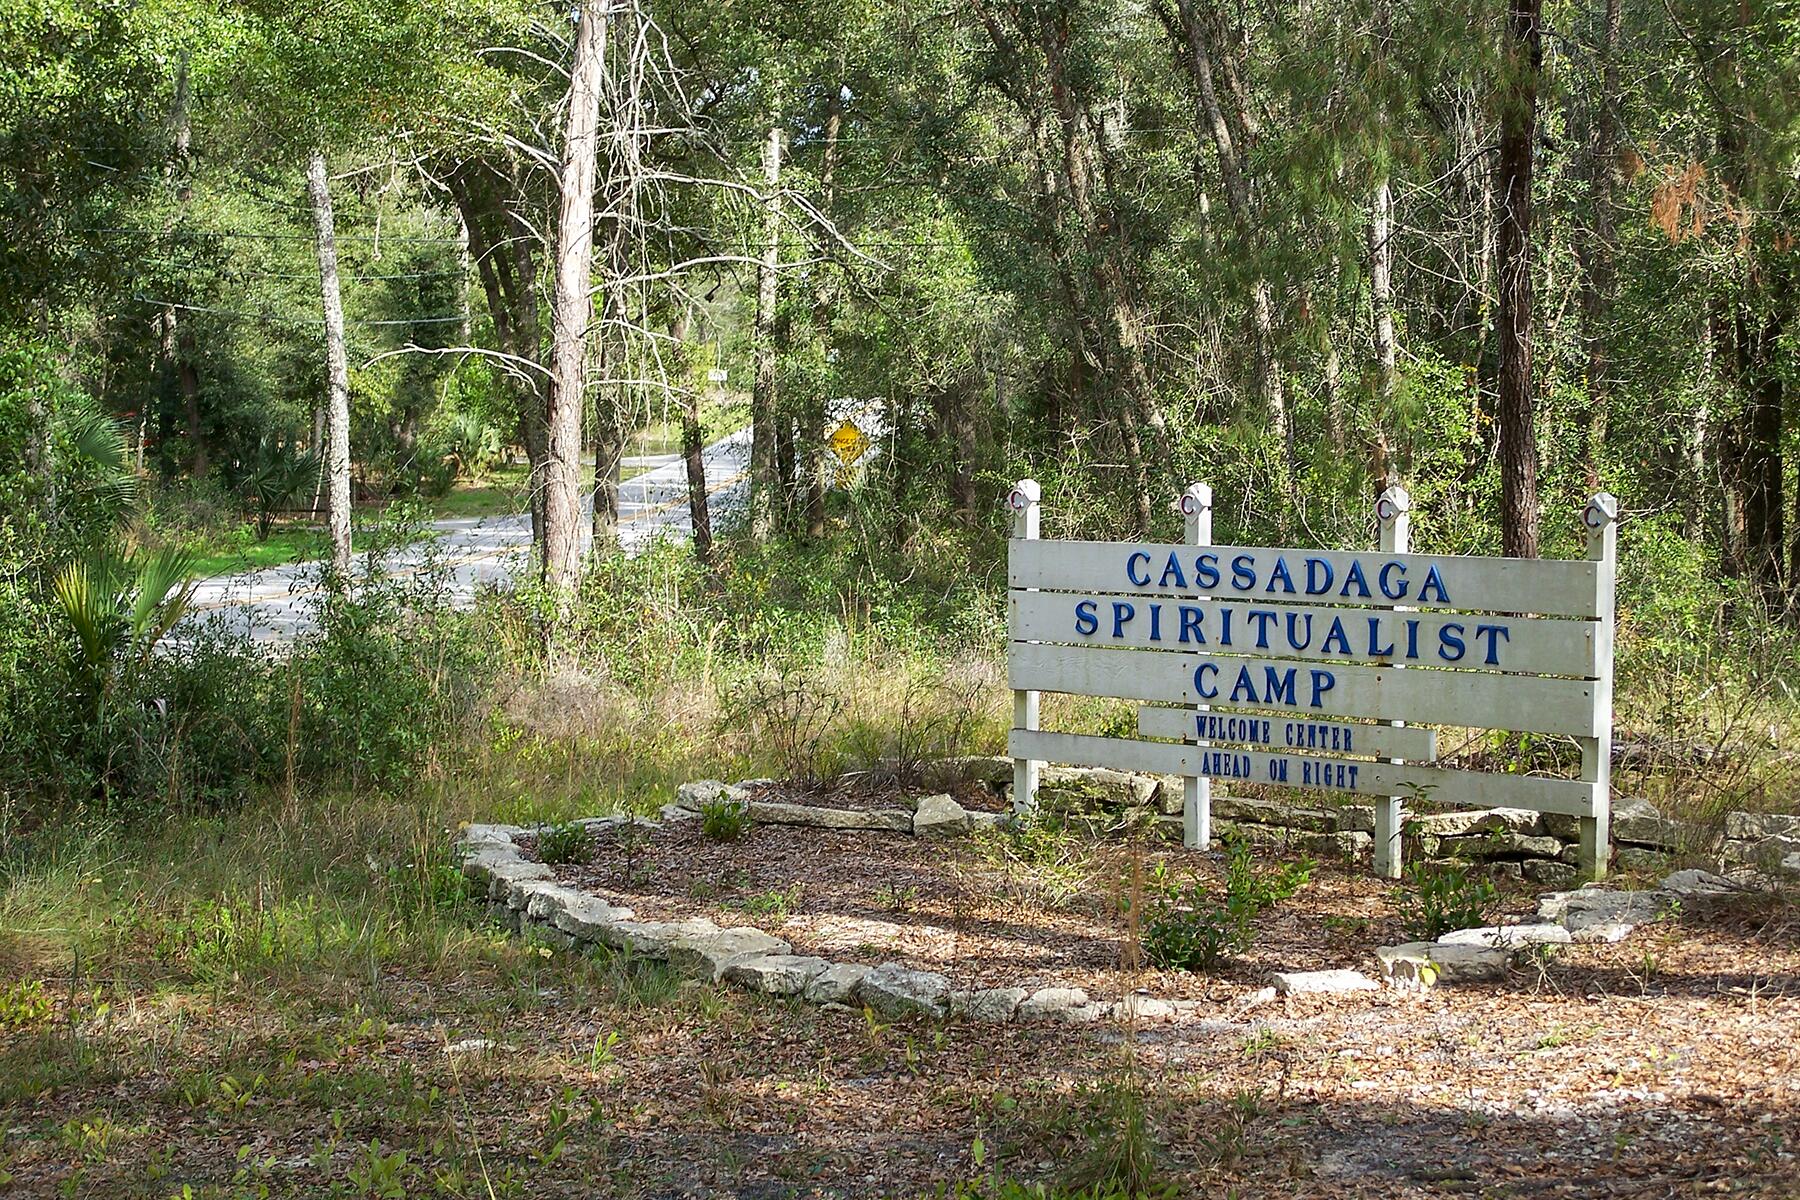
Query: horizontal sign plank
x=1521, y=645
x=1288, y=733
x=1554, y=587
x=1472, y=789
x=1481, y=700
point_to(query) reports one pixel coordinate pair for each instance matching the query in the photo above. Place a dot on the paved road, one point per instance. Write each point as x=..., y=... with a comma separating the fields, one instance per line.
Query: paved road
x=276, y=603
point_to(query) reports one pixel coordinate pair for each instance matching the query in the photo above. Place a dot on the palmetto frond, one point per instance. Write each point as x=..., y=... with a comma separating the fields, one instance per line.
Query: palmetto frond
x=88, y=593
x=100, y=440
x=164, y=588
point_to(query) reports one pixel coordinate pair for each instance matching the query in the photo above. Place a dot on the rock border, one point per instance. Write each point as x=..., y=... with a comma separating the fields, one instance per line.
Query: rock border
x=525, y=897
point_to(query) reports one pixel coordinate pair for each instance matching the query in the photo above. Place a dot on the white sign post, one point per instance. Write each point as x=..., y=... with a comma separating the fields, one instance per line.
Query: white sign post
x=1313, y=668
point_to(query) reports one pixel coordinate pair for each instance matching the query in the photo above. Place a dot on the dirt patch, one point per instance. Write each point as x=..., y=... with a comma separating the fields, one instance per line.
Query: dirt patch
x=979, y=910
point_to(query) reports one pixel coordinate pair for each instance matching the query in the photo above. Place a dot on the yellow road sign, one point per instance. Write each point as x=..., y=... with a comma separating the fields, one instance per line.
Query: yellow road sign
x=849, y=443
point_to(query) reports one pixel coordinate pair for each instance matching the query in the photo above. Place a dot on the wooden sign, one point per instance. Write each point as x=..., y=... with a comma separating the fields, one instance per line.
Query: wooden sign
x=1313, y=668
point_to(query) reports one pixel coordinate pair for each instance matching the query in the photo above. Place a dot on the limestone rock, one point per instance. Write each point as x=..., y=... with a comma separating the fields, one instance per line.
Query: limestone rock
x=1603, y=932
x=501, y=874
x=1563, y=827
x=1356, y=818
x=479, y=866
x=1637, y=858
x=1079, y=789
x=705, y=791
x=707, y=955
x=896, y=991
x=1551, y=874
x=1270, y=812
x=836, y=984
x=987, y=1004
x=676, y=812
x=777, y=974
x=1635, y=819
x=516, y=894
x=1509, y=936
x=1143, y=1009
x=487, y=834
x=587, y=917
x=1501, y=844
x=1169, y=792
x=940, y=816
x=1599, y=906
x=1052, y=1003
x=1462, y=824
x=990, y=820
x=545, y=903
x=1693, y=886
x=1296, y=983
x=1345, y=844
x=1754, y=827
x=1789, y=866
x=775, y=812
x=652, y=938
x=1422, y=964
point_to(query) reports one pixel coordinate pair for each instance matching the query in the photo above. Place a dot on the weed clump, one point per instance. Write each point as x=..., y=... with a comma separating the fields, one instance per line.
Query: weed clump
x=563, y=843
x=1190, y=928
x=725, y=820
x=1438, y=900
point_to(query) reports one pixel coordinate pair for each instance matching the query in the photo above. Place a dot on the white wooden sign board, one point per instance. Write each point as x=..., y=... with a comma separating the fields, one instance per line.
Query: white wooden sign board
x=1313, y=668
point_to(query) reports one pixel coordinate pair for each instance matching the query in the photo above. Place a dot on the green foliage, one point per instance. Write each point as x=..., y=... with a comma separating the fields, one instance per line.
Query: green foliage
x=1189, y=928
x=1039, y=860
x=23, y=1004
x=1440, y=899
x=725, y=820
x=566, y=842
x=275, y=478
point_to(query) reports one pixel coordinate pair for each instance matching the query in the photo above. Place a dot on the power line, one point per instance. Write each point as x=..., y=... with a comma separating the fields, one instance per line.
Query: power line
x=281, y=320
x=279, y=237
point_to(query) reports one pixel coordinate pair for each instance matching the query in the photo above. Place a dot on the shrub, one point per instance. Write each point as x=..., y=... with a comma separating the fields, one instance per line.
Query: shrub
x=725, y=820
x=564, y=843
x=1190, y=929
x=1442, y=899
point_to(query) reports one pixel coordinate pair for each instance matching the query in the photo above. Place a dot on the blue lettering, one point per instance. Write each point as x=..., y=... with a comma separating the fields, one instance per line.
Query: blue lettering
x=1201, y=688
x=1493, y=633
x=1156, y=622
x=1281, y=574
x=1450, y=638
x=1277, y=686
x=1315, y=585
x=1388, y=589
x=1412, y=639
x=1131, y=568
x=1262, y=618
x=1376, y=649
x=1173, y=568
x=1206, y=571
x=1224, y=627
x=1293, y=631
x=1243, y=689
x=1322, y=682
x=1337, y=635
x=1434, y=580
x=1243, y=572
x=1190, y=623
x=1086, y=619
x=1355, y=575
x=1122, y=612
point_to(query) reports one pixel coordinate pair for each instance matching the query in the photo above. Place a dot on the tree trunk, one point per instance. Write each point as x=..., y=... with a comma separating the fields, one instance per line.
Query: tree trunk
x=337, y=368
x=179, y=347
x=1600, y=271
x=814, y=431
x=765, y=479
x=1518, y=437
x=573, y=305
x=1229, y=123
x=693, y=440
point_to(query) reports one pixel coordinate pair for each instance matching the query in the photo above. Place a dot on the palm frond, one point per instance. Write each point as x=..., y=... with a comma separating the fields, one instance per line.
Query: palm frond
x=164, y=589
